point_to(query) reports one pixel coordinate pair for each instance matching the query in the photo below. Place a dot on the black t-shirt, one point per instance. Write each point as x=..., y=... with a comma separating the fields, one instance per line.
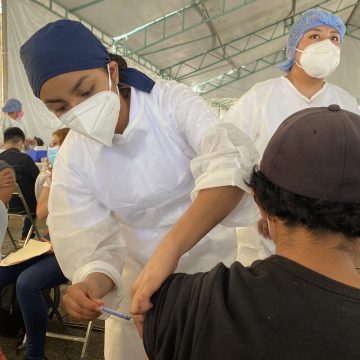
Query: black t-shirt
x=26, y=174
x=274, y=310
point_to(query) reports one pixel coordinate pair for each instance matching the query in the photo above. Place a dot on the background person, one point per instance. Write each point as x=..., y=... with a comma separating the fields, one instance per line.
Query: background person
x=14, y=114
x=26, y=172
x=14, y=118
x=35, y=275
x=120, y=195
x=313, y=50
x=302, y=303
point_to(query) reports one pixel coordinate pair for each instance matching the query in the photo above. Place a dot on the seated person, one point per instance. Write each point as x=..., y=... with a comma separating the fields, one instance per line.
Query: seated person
x=32, y=277
x=25, y=169
x=302, y=303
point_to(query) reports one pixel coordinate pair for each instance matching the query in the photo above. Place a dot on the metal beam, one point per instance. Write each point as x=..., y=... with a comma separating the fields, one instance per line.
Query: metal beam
x=353, y=31
x=181, y=20
x=240, y=73
x=215, y=56
x=91, y=3
x=54, y=7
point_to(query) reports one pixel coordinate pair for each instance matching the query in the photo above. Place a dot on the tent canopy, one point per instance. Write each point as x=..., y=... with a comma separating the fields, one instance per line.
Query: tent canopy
x=218, y=47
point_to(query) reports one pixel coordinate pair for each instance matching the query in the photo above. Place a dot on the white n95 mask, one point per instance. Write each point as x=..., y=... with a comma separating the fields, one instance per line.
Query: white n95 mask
x=319, y=60
x=95, y=117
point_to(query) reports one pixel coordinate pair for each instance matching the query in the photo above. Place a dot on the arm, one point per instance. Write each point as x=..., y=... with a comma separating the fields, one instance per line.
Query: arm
x=7, y=183
x=173, y=327
x=42, y=203
x=86, y=238
x=209, y=208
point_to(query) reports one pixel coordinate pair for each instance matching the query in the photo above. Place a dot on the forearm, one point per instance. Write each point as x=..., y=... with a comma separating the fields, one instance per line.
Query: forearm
x=209, y=209
x=6, y=193
x=42, y=204
x=103, y=283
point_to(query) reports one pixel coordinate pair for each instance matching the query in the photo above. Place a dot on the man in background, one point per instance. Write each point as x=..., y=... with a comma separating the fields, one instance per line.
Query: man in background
x=25, y=169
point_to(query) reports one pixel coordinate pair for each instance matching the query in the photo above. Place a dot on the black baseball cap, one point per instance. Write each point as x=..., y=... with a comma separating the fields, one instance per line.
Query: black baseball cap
x=316, y=153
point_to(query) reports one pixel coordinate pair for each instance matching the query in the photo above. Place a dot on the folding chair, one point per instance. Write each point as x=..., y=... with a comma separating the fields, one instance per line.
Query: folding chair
x=83, y=339
x=53, y=302
x=23, y=213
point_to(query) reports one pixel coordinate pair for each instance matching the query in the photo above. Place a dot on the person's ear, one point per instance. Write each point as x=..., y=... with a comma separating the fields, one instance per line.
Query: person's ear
x=114, y=73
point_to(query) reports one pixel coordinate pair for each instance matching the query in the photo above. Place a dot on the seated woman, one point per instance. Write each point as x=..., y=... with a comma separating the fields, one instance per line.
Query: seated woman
x=37, y=274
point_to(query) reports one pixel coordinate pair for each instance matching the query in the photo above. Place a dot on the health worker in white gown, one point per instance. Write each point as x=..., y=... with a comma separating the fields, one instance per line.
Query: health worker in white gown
x=314, y=47
x=139, y=181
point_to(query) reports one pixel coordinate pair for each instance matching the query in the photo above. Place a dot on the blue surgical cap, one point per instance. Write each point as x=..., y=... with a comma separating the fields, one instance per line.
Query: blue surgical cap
x=307, y=21
x=60, y=47
x=12, y=105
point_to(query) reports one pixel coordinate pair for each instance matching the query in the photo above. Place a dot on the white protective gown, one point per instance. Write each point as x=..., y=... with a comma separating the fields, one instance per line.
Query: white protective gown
x=111, y=206
x=258, y=113
x=9, y=122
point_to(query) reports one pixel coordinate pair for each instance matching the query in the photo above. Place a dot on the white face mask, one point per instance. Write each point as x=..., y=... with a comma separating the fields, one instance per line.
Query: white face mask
x=96, y=117
x=319, y=60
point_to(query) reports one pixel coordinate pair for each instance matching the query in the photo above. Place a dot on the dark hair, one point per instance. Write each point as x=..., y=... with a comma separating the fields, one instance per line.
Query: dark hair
x=61, y=134
x=39, y=141
x=319, y=216
x=14, y=135
x=122, y=64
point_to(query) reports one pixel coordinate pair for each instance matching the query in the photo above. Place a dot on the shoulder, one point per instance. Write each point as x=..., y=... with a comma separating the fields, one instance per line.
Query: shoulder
x=170, y=90
x=258, y=91
x=342, y=93
x=265, y=86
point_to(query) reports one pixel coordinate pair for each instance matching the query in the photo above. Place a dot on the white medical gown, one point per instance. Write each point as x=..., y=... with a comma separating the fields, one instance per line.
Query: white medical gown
x=111, y=204
x=258, y=113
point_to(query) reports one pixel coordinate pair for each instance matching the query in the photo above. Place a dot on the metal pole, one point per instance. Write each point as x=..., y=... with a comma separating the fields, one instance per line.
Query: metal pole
x=4, y=52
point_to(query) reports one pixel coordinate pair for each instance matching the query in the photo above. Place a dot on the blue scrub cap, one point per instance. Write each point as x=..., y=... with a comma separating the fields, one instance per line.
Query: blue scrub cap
x=307, y=21
x=12, y=105
x=60, y=47
x=64, y=46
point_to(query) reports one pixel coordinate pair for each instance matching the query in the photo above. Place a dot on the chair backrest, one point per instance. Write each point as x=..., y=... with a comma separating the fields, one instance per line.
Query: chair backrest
x=18, y=193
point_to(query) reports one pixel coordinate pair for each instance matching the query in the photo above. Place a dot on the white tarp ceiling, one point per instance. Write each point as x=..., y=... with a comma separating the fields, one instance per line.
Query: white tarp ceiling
x=181, y=33
x=219, y=47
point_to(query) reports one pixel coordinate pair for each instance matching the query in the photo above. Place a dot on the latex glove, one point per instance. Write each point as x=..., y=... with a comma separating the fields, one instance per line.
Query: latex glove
x=82, y=301
x=161, y=264
x=263, y=228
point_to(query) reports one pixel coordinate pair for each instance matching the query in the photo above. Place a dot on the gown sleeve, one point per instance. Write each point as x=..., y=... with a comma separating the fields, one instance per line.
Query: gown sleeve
x=86, y=236
x=225, y=155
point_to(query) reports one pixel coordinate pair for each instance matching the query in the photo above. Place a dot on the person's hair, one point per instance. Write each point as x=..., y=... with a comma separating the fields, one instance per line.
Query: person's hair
x=318, y=216
x=122, y=64
x=61, y=134
x=39, y=141
x=13, y=135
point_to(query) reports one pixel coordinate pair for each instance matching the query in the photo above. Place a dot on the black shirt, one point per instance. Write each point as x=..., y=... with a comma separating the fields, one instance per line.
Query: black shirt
x=274, y=310
x=26, y=174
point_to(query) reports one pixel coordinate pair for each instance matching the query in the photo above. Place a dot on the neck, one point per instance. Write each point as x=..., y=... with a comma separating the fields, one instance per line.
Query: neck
x=332, y=256
x=305, y=84
x=123, y=120
x=8, y=146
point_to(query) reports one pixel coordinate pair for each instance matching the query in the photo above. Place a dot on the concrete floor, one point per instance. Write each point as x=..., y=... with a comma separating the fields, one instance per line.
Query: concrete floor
x=56, y=349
